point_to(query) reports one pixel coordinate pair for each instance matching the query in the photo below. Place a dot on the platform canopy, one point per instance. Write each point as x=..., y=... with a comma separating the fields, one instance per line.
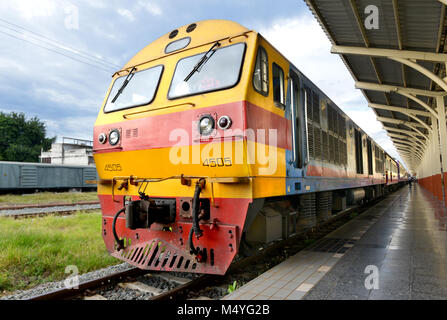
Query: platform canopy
x=395, y=51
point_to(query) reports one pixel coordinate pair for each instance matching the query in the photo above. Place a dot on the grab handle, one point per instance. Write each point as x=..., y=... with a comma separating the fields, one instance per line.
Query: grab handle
x=127, y=115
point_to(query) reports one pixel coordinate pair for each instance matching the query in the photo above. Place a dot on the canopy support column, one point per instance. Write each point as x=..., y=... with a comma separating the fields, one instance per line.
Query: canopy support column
x=443, y=141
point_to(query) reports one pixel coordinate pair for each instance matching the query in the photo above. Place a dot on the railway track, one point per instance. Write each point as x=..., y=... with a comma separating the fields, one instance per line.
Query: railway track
x=138, y=283
x=30, y=211
x=147, y=285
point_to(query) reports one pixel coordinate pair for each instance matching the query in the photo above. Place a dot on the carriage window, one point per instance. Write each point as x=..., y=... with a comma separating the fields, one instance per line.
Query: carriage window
x=261, y=74
x=221, y=70
x=278, y=85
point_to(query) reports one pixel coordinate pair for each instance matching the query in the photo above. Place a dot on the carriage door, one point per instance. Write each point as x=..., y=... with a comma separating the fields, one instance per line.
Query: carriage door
x=358, y=151
x=370, y=157
x=296, y=117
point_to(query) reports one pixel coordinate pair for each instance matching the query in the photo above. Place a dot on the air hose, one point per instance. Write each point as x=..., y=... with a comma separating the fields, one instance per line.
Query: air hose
x=119, y=242
x=195, y=216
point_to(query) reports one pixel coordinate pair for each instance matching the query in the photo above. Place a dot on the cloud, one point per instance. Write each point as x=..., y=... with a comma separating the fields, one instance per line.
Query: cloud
x=9, y=65
x=126, y=14
x=151, y=7
x=29, y=9
x=363, y=118
x=130, y=14
x=303, y=42
x=61, y=99
x=75, y=127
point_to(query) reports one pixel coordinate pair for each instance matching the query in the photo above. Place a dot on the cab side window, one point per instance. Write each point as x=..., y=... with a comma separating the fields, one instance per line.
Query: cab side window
x=261, y=74
x=278, y=86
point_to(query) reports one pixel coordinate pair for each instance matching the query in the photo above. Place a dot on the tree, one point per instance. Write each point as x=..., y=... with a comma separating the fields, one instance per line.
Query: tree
x=22, y=140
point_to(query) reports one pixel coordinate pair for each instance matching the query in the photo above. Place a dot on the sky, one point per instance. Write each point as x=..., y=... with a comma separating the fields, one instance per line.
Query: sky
x=94, y=38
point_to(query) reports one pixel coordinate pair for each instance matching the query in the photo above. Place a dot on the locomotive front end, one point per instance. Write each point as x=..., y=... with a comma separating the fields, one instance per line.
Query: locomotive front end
x=174, y=186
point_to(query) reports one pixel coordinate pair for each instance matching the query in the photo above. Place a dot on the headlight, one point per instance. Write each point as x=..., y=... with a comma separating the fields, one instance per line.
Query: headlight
x=114, y=137
x=224, y=122
x=206, y=125
x=102, y=138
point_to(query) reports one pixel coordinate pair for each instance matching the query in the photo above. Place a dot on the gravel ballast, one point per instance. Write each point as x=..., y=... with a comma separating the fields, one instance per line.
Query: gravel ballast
x=37, y=211
x=51, y=286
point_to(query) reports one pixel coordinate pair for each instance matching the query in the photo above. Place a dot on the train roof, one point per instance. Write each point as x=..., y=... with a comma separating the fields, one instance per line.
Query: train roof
x=43, y=164
x=205, y=31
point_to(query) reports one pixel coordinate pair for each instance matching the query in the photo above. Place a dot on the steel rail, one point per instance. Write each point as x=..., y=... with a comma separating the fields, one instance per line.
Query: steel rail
x=67, y=293
x=14, y=212
x=49, y=205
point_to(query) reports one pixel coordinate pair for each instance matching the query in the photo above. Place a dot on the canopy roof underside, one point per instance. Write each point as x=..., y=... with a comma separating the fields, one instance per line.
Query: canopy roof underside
x=404, y=25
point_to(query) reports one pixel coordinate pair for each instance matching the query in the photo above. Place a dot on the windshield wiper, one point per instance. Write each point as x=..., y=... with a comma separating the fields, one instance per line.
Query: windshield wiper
x=202, y=61
x=125, y=83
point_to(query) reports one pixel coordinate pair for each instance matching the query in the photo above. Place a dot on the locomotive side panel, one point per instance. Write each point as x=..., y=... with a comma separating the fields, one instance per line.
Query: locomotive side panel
x=268, y=131
x=340, y=154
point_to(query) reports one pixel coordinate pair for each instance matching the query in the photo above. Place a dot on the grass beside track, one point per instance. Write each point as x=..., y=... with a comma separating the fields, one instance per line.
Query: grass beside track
x=47, y=198
x=35, y=251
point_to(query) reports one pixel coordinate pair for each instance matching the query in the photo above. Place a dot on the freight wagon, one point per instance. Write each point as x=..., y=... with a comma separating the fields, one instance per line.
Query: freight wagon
x=15, y=176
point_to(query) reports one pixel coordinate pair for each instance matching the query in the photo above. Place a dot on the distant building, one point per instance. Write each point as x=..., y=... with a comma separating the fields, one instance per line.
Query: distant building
x=71, y=151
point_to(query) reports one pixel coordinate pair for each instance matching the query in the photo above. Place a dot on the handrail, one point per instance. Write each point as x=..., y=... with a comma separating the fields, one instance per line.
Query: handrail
x=307, y=128
x=107, y=149
x=127, y=115
x=245, y=33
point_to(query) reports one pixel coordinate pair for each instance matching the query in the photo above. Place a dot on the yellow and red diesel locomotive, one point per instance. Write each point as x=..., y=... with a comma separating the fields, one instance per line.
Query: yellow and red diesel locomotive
x=210, y=138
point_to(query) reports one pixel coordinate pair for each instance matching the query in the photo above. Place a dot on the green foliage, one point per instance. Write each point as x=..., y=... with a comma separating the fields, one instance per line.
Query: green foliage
x=232, y=287
x=35, y=251
x=22, y=140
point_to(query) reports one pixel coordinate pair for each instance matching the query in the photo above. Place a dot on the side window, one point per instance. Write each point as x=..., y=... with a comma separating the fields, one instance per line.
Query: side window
x=261, y=74
x=278, y=86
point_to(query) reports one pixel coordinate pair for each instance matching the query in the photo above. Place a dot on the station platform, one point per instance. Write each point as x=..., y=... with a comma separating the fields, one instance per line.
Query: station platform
x=394, y=250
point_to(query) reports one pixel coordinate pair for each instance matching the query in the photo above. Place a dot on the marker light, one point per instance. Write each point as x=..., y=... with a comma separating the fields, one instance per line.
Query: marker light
x=102, y=138
x=224, y=122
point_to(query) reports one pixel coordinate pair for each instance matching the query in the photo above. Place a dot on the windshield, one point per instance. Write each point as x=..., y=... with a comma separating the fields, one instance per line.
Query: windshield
x=140, y=91
x=221, y=71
